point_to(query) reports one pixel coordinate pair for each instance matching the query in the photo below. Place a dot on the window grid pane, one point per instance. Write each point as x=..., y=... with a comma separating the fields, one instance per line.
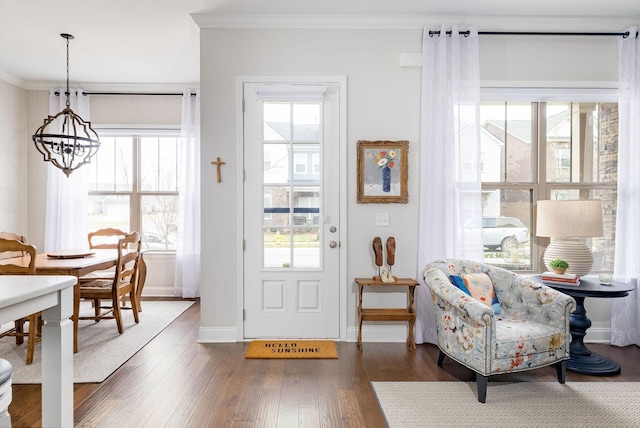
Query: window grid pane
x=114, y=199
x=579, y=149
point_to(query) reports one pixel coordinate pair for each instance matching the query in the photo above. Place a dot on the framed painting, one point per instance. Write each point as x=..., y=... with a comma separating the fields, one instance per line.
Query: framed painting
x=383, y=172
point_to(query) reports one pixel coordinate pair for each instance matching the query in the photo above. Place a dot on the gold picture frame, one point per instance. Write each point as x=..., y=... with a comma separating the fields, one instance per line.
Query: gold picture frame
x=383, y=169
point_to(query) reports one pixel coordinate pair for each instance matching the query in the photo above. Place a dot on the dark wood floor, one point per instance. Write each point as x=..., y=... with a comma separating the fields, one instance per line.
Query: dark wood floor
x=176, y=382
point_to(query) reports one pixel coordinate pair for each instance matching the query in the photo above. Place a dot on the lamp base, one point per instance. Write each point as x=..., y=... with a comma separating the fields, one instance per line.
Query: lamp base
x=577, y=254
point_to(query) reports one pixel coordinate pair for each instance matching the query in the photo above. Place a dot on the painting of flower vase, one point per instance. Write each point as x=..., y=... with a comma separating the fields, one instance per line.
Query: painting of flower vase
x=382, y=171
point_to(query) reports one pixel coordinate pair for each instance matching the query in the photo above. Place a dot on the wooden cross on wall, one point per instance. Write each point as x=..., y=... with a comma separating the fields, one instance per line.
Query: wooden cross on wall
x=218, y=163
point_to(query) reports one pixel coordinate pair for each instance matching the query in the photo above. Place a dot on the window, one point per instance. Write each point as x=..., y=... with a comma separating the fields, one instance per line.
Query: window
x=133, y=185
x=545, y=150
x=291, y=183
x=300, y=163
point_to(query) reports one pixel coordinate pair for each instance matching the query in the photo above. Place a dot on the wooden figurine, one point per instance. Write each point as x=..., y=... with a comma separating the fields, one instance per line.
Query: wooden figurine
x=377, y=251
x=386, y=275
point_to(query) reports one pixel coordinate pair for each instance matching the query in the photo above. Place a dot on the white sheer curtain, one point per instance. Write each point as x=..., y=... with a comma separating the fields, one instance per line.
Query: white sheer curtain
x=625, y=311
x=450, y=221
x=67, y=197
x=187, y=276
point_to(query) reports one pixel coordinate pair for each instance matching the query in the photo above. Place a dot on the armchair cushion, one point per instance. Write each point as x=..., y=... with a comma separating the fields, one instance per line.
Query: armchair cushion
x=480, y=287
x=516, y=338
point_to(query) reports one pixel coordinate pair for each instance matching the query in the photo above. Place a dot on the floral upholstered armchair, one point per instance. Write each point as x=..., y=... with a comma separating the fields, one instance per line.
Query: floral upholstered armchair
x=494, y=321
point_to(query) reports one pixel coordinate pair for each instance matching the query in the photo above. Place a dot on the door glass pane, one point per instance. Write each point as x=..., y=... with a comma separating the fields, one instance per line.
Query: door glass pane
x=505, y=138
x=306, y=121
x=276, y=247
x=277, y=121
x=159, y=222
x=277, y=213
x=276, y=163
x=303, y=159
x=506, y=228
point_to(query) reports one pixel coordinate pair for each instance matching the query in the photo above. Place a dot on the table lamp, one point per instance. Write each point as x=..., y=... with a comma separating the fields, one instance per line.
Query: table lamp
x=569, y=222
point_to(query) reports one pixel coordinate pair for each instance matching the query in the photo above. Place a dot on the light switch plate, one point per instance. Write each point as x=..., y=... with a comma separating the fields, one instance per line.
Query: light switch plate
x=382, y=219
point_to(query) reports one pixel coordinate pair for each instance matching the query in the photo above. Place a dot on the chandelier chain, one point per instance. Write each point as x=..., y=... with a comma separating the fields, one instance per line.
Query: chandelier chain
x=67, y=93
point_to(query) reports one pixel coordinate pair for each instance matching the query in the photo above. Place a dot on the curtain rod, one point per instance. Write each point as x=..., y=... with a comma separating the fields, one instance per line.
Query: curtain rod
x=131, y=93
x=535, y=33
x=136, y=93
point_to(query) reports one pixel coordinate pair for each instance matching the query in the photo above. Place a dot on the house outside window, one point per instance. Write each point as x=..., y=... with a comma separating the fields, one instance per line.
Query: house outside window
x=545, y=150
x=133, y=185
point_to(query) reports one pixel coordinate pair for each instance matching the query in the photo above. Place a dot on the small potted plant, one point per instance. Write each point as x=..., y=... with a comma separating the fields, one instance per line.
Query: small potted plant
x=558, y=266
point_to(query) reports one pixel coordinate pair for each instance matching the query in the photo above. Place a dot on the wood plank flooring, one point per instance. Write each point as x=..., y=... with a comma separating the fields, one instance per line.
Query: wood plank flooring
x=176, y=382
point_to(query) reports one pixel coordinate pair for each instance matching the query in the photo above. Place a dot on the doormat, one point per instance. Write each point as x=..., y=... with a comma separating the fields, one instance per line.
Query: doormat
x=292, y=349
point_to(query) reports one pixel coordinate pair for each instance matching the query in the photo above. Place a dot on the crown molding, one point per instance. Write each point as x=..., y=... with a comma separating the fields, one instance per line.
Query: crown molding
x=484, y=23
x=11, y=79
x=115, y=87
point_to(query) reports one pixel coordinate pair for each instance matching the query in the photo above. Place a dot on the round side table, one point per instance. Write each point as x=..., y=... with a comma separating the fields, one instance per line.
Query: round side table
x=582, y=360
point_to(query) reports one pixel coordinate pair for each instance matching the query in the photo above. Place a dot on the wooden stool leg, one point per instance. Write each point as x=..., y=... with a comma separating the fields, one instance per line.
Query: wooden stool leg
x=411, y=341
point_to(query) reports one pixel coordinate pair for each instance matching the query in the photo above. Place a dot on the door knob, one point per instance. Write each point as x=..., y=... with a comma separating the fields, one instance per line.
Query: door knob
x=333, y=244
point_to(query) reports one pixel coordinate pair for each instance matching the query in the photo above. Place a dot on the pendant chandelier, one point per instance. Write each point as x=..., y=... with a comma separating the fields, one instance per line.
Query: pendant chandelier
x=65, y=139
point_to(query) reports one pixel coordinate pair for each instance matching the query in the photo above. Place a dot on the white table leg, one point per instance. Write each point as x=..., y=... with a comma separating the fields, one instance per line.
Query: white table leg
x=57, y=363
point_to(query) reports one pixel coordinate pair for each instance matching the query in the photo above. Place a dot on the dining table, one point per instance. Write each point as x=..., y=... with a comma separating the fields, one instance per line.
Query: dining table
x=79, y=263
x=23, y=295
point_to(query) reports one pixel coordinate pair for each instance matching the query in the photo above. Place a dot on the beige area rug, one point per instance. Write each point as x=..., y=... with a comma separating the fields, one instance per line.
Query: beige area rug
x=509, y=405
x=101, y=349
x=292, y=349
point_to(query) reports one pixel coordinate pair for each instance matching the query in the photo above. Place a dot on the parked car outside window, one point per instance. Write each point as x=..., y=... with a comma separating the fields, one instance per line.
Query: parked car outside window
x=503, y=232
x=155, y=241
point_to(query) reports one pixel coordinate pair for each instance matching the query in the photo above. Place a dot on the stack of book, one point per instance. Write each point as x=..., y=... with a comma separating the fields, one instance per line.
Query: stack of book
x=557, y=279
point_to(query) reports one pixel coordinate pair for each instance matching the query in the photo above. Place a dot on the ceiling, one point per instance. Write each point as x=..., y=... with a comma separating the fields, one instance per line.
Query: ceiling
x=156, y=42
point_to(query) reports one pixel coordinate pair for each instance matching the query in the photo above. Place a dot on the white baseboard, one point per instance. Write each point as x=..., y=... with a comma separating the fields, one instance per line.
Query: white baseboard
x=217, y=335
x=598, y=335
x=379, y=333
x=157, y=291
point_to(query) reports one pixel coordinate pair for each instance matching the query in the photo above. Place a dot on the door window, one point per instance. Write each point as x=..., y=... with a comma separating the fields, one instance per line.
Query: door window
x=291, y=184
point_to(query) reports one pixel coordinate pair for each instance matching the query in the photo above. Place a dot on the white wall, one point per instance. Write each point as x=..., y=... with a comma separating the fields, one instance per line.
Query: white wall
x=13, y=173
x=556, y=61
x=383, y=103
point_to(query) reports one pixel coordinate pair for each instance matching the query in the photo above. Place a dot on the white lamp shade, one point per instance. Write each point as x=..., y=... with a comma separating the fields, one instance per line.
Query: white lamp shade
x=571, y=218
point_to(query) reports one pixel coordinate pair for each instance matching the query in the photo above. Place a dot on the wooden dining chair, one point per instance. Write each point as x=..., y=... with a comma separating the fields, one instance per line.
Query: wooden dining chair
x=17, y=248
x=123, y=283
x=14, y=237
x=106, y=238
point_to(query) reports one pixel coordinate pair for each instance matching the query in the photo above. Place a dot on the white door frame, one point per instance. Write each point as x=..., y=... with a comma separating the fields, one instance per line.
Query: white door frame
x=341, y=81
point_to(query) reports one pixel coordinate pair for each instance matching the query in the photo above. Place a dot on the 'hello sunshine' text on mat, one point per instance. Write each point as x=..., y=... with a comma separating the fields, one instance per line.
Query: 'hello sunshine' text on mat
x=292, y=349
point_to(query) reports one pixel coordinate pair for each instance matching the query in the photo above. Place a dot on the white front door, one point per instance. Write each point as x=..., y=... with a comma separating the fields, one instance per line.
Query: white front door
x=291, y=210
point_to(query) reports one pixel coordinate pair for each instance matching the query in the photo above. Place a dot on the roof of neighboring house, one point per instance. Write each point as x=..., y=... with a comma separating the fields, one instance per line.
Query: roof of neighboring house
x=301, y=132
x=521, y=128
